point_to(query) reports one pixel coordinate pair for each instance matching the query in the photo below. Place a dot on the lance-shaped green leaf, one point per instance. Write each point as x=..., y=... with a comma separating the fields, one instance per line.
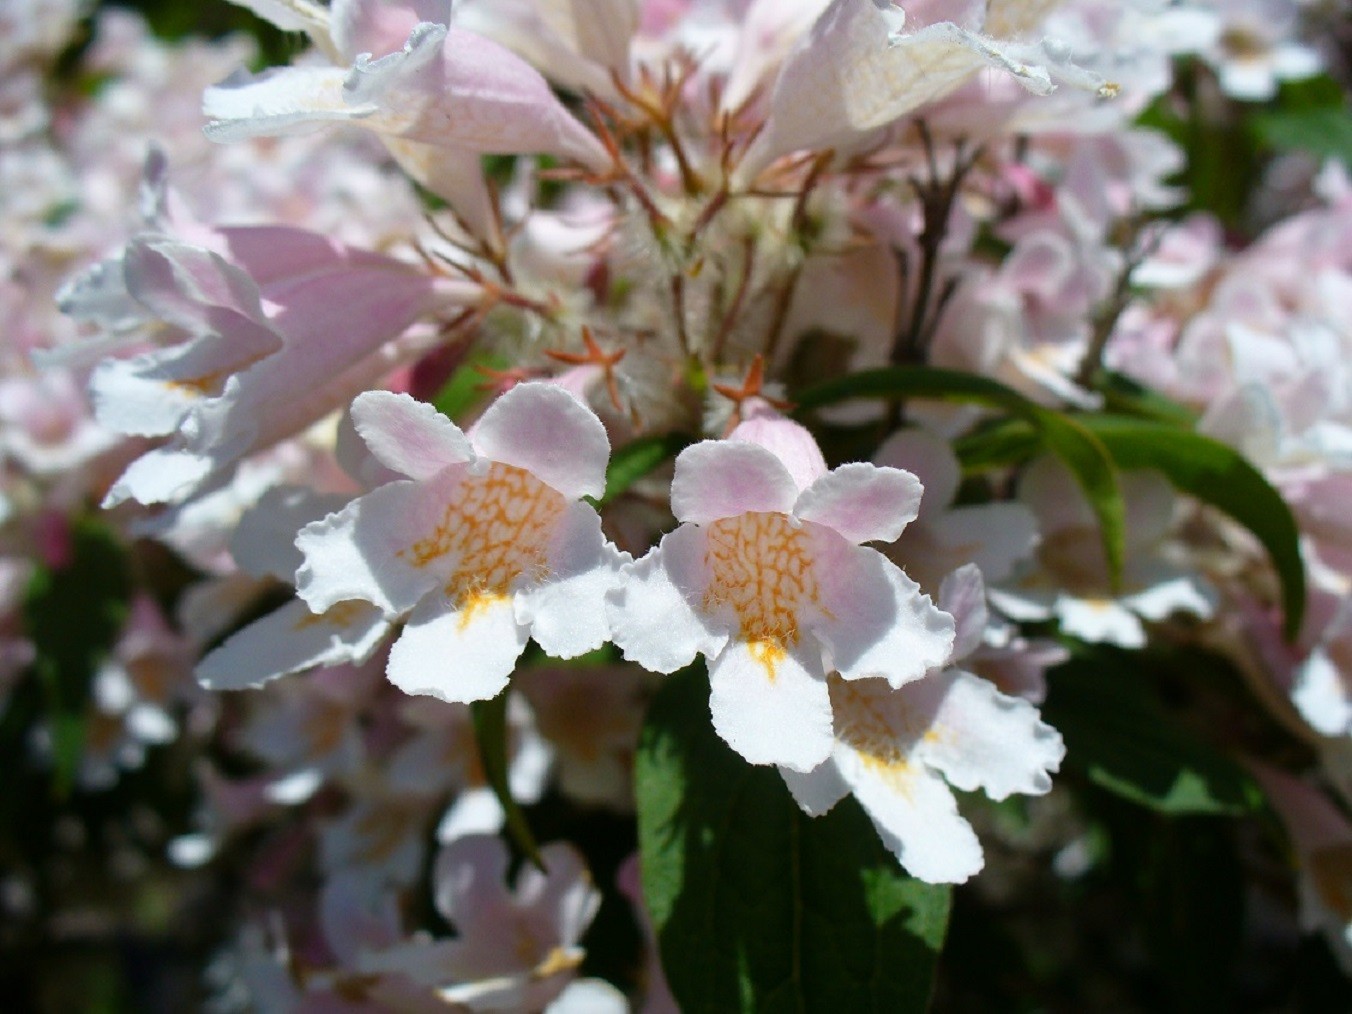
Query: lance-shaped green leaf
x=1121, y=738
x=757, y=906
x=1059, y=433
x=1217, y=475
x=490, y=730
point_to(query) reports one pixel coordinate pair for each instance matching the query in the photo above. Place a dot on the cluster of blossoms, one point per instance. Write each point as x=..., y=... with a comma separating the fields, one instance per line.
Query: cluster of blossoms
x=511, y=359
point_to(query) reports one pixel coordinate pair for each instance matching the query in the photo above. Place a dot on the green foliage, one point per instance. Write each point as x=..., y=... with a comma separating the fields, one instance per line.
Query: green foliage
x=1058, y=433
x=1120, y=737
x=73, y=615
x=758, y=906
x=1310, y=116
x=1220, y=476
x=490, y=730
x=638, y=458
x=465, y=391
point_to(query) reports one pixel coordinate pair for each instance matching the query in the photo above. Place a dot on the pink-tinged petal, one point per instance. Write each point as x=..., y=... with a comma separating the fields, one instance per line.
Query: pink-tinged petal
x=994, y=536
x=455, y=655
x=409, y=436
x=721, y=479
x=501, y=105
x=930, y=460
x=655, y=618
x=874, y=619
x=454, y=176
x=916, y=817
x=470, y=880
x=362, y=552
x=979, y=738
x=963, y=596
x=564, y=895
x=818, y=790
x=202, y=293
x=575, y=45
x=850, y=75
x=376, y=26
x=771, y=704
x=290, y=640
x=264, y=542
x=863, y=502
x=566, y=612
x=550, y=434
x=790, y=442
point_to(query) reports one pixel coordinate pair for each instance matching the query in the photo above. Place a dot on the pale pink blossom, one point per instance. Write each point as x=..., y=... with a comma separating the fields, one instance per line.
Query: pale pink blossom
x=767, y=578
x=484, y=545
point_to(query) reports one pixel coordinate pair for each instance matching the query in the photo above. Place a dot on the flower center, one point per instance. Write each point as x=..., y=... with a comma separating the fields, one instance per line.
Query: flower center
x=871, y=720
x=761, y=568
x=496, y=527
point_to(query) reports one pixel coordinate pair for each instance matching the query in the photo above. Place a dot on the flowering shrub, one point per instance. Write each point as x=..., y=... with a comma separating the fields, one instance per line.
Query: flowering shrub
x=582, y=507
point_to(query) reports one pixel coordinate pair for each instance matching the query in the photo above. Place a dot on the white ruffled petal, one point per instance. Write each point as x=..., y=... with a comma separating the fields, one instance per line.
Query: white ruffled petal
x=545, y=430
x=875, y=620
x=863, y=502
x=771, y=705
x=979, y=738
x=409, y=436
x=457, y=655
x=292, y=639
x=916, y=817
x=566, y=612
x=654, y=618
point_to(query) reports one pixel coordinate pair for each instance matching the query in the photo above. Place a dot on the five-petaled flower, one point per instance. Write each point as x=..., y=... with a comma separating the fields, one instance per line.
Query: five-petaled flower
x=767, y=579
x=486, y=543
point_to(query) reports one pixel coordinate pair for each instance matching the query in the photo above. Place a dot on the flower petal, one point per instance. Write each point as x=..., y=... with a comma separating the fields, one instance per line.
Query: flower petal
x=549, y=433
x=282, y=101
x=862, y=502
x=818, y=790
x=979, y=738
x=567, y=612
x=291, y=639
x=408, y=435
x=654, y=619
x=457, y=655
x=875, y=620
x=771, y=705
x=916, y=817
x=963, y=596
x=721, y=478
x=357, y=553
x=930, y=459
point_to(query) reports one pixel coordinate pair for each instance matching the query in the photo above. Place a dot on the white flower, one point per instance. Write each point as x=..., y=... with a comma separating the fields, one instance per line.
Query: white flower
x=767, y=579
x=486, y=544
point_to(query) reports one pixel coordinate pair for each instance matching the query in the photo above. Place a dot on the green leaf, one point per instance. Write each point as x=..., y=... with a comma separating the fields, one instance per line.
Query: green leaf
x=1122, y=739
x=73, y=616
x=1323, y=132
x=1217, y=475
x=639, y=457
x=1077, y=448
x=465, y=390
x=758, y=906
x=490, y=730
x=1124, y=396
